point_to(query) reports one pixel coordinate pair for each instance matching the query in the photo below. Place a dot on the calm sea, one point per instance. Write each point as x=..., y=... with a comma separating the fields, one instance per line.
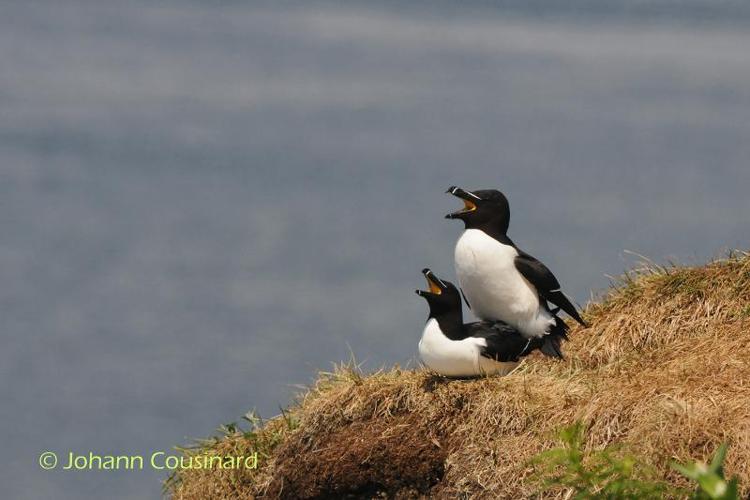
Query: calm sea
x=204, y=203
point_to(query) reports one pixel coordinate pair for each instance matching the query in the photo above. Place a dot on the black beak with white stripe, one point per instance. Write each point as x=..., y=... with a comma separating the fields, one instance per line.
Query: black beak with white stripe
x=470, y=202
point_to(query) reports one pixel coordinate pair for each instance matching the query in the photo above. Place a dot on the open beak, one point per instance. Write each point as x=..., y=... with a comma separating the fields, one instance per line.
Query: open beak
x=467, y=197
x=434, y=284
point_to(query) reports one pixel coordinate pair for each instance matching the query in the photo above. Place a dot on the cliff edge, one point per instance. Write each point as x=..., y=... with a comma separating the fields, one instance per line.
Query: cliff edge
x=663, y=370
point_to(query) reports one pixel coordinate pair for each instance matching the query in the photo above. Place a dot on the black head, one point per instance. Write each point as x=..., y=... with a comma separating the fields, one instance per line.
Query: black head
x=483, y=209
x=443, y=297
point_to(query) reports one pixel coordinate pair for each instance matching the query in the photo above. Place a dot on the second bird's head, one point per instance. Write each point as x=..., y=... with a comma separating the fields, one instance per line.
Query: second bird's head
x=442, y=296
x=482, y=208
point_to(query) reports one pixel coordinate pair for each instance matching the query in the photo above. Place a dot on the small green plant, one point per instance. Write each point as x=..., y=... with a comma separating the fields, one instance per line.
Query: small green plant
x=611, y=474
x=710, y=478
x=608, y=473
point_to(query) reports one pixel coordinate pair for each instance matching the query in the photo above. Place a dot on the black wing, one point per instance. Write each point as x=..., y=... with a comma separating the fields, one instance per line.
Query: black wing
x=551, y=342
x=504, y=343
x=545, y=283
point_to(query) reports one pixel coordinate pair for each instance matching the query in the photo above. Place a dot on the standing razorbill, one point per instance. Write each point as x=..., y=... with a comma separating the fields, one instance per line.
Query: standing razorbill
x=454, y=349
x=499, y=281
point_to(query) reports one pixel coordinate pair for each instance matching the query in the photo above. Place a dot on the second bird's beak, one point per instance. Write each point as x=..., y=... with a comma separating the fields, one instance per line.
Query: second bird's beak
x=433, y=283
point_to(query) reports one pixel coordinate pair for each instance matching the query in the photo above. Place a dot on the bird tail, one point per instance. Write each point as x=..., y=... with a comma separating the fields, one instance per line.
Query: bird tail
x=560, y=299
x=551, y=342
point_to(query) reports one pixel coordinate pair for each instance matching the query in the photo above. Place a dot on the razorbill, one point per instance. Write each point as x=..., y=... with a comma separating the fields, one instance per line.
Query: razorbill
x=454, y=349
x=500, y=281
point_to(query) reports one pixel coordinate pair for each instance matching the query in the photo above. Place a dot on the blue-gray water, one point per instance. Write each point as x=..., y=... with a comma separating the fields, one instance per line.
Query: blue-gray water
x=202, y=204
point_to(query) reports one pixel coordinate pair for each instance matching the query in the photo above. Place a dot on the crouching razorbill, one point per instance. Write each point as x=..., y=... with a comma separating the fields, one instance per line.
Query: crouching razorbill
x=454, y=349
x=500, y=281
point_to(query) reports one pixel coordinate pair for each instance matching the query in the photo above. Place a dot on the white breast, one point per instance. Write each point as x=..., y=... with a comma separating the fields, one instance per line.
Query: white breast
x=457, y=358
x=493, y=286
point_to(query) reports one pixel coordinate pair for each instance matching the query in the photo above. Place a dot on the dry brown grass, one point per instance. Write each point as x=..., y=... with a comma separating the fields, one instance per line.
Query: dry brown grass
x=664, y=369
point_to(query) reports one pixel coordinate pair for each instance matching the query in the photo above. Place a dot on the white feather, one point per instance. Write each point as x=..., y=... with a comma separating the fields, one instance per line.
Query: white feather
x=457, y=358
x=493, y=286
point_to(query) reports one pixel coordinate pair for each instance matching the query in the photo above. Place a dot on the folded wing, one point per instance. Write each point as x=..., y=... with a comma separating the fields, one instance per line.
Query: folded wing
x=546, y=284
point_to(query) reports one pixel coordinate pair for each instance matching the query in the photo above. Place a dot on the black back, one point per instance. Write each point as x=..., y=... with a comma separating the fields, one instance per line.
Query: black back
x=505, y=343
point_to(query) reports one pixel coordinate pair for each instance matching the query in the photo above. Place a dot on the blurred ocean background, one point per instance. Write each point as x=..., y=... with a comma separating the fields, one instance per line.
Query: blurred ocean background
x=204, y=203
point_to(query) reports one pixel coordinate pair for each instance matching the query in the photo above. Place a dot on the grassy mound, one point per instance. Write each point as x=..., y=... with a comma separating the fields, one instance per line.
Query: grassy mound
x=663, y=370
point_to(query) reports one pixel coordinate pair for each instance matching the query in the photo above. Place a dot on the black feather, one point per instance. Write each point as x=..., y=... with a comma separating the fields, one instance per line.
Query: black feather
x=464, y=296
x=551, y=342
x=545, y=283
x=505, y=343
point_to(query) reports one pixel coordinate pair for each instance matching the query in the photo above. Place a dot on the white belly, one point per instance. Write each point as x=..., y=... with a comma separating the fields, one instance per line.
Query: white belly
x=493, y=286
x=457, y=358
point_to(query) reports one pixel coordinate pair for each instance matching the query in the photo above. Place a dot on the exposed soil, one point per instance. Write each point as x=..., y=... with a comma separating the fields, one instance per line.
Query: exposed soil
x=400, y=457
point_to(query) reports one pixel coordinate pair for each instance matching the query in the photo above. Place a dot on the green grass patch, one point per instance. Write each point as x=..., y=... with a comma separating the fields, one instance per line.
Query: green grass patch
x=612, y=473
